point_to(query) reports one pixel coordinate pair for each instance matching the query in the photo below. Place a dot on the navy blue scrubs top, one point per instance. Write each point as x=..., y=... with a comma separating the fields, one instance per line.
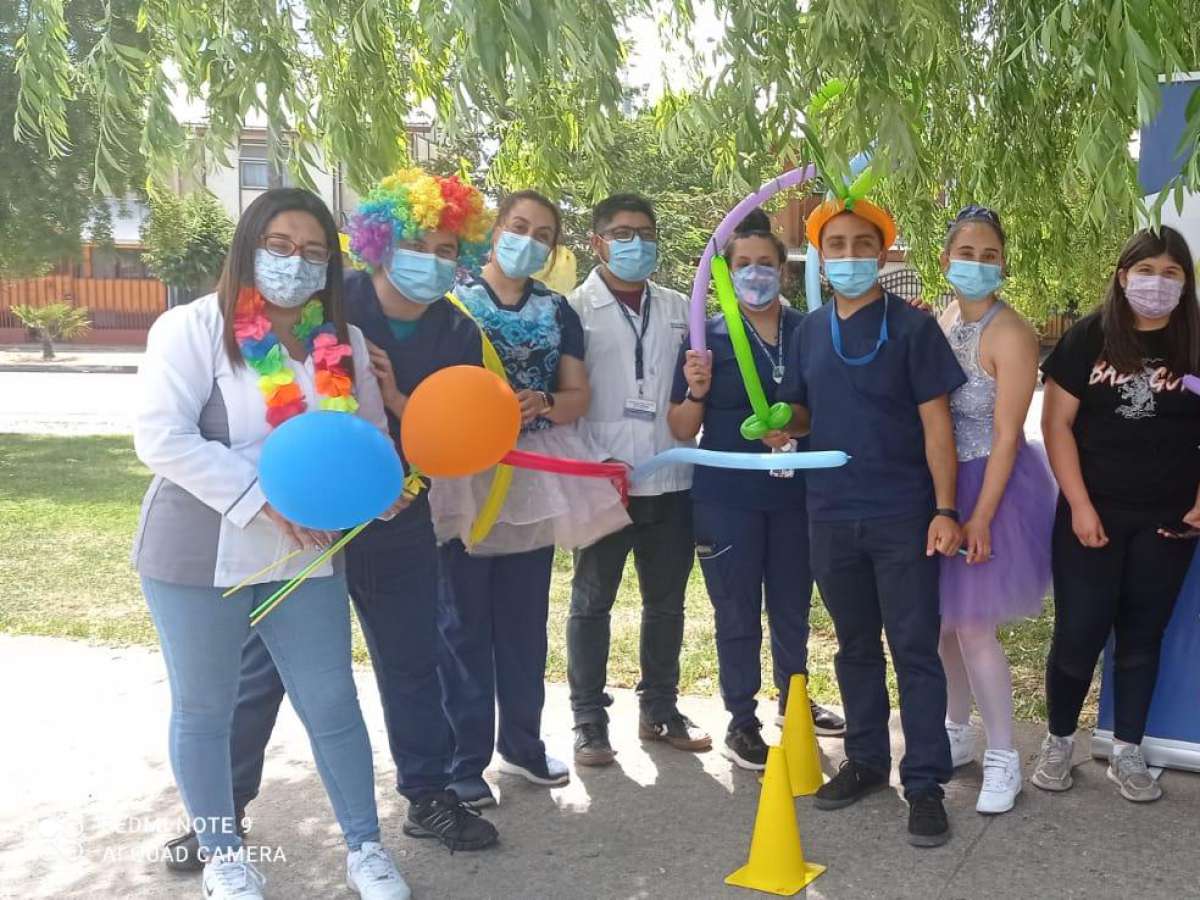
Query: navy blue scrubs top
x=442, y=337
x=726, y=409
x=870, y=411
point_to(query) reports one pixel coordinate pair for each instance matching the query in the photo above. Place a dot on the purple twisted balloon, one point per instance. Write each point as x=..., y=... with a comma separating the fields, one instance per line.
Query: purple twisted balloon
x=696, y=313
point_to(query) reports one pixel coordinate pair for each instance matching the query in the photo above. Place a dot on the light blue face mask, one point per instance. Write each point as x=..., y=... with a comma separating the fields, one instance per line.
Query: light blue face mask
x=851, y=278
x=519, y=255
x=756, y=286
x=421, y=277
x=633, y=260
x=974, y=280
x=287, y=281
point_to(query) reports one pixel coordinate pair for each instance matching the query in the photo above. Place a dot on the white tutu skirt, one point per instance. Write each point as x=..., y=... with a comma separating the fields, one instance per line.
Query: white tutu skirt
x=542, y=509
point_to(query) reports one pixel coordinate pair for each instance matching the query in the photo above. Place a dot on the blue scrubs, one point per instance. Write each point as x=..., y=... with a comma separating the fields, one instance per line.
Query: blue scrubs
x=751, y=532
x=869, y=521
x=392, y=573
x=493, y=609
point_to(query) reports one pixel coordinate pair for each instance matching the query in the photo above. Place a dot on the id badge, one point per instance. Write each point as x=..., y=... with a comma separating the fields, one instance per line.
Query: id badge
x=640, y=408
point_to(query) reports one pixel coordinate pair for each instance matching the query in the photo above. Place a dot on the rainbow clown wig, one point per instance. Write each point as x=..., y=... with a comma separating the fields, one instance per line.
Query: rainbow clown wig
x=411, y=202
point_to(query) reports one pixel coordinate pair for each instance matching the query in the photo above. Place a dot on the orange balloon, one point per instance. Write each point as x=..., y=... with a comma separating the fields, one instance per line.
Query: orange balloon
x=459, y=421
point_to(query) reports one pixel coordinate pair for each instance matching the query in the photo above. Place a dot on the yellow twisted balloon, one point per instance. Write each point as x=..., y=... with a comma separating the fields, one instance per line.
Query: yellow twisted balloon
x=502, y=479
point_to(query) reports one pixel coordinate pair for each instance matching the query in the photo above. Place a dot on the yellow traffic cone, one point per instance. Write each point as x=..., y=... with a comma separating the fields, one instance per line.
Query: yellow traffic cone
x=799, y=741
x=776, y=864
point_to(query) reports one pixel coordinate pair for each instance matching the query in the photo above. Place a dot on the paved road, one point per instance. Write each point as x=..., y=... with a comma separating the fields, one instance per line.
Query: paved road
x=88, y=798
x=63, y=403
x=66, y=403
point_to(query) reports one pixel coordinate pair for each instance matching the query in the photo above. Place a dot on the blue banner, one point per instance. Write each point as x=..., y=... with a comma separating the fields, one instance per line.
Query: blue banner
x=1173, y=729
x=1159, y=160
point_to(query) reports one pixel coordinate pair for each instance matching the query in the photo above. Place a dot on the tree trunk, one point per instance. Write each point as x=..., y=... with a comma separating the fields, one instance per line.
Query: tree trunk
x=47, y=343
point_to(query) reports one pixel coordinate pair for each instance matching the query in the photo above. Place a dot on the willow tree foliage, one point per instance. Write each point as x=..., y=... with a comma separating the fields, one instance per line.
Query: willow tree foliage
x=1025, y=105
x=345, y=74
x=1028, y=105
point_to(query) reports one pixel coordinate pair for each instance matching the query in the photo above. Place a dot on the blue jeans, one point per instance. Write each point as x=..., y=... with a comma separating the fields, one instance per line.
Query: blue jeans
x=308, y=637
x=493, y=620
x=392, y=572
x=875, y=577
x=746, y=554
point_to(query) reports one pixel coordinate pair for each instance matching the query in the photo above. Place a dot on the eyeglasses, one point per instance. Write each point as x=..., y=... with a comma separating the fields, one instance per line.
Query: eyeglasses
x=281, y=245
x=625, y=233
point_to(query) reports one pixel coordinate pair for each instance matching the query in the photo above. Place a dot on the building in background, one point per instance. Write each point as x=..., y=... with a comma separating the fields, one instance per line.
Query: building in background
x=111, y=279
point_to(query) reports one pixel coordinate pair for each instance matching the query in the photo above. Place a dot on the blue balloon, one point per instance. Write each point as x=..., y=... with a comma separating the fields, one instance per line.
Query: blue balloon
x=810, y=459
x=330, y=470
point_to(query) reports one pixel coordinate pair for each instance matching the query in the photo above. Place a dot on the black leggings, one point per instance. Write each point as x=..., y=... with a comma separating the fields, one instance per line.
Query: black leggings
x=1129, y=586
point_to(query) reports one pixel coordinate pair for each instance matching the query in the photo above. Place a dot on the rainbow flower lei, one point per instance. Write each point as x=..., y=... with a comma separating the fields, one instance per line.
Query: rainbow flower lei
x=264, y=354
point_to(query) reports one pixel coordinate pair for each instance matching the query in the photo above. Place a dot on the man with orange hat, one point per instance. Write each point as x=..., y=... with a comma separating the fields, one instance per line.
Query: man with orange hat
x=871, y=375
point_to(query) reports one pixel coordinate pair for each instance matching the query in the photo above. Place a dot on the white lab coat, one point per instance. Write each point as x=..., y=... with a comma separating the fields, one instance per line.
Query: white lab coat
x=185, y=363
x=609, y=356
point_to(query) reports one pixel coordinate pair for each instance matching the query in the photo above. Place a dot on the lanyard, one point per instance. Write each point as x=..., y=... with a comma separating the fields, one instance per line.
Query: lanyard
x=835, y=332
x=777, y=368
x=639, y=360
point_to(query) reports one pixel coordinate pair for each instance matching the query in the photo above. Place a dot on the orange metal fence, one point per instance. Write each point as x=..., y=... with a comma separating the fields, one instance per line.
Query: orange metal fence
x=114, y=303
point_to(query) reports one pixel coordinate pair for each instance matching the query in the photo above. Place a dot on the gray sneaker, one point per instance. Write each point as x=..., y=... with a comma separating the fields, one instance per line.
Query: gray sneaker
x=1127, y=769
x=1053, y=772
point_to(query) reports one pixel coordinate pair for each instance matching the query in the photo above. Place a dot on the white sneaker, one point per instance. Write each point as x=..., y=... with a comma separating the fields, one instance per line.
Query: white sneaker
x=552, y=773
x=371, y=874
x=1001, y=781
x=230, y=877
x=962, y=743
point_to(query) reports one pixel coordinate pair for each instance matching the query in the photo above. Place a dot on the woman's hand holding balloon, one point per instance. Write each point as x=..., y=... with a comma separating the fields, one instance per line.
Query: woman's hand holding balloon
x=697, y=372
x=777, y=440
x=304, y=538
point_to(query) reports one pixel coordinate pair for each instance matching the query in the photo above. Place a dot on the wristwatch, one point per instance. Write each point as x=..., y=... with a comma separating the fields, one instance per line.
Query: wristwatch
x=547, y=401
x=690, y=396
x=947, y=512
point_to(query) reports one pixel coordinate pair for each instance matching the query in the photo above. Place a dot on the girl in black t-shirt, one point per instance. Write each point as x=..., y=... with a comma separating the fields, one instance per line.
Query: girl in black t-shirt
x=1122, y=434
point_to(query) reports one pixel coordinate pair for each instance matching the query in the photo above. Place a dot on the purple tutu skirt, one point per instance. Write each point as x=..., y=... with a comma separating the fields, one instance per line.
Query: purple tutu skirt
x=1014, y=582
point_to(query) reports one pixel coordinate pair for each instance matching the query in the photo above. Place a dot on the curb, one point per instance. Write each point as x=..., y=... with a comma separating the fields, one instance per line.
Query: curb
x=76, y=369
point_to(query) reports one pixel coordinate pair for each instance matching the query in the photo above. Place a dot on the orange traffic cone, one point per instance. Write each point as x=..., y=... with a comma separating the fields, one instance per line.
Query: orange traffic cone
x=799, y=741
x=776, y=864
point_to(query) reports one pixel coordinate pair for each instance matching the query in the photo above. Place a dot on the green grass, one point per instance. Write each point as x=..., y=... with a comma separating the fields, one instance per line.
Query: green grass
x=69, y=508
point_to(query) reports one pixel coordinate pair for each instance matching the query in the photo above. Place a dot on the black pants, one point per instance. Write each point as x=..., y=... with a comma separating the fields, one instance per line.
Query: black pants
x=1127, y=587
x=663, y=552
x=874, y=577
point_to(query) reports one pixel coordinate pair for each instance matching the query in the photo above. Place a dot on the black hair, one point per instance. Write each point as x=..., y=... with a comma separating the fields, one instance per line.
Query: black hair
x=507, y=204
x=239, y=262
x=972, y=214
x=1122, y=349
x=604, y=211
x=756, y=224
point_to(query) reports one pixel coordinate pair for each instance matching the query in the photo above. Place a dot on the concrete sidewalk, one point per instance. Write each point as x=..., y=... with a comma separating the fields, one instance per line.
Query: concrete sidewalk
x=88, y=798
x=71, y=358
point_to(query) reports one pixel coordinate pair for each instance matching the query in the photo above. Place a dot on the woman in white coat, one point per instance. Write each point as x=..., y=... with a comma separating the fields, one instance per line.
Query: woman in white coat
x=218, y=376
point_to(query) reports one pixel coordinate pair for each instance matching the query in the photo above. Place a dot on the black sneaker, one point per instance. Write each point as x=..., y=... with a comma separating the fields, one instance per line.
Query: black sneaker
x=927, y=822
x=183, y=852
x=745, y=747
x=442, y=816
x=849, y=785
x=826, y=722
x=591, y=744
x=678, y=730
